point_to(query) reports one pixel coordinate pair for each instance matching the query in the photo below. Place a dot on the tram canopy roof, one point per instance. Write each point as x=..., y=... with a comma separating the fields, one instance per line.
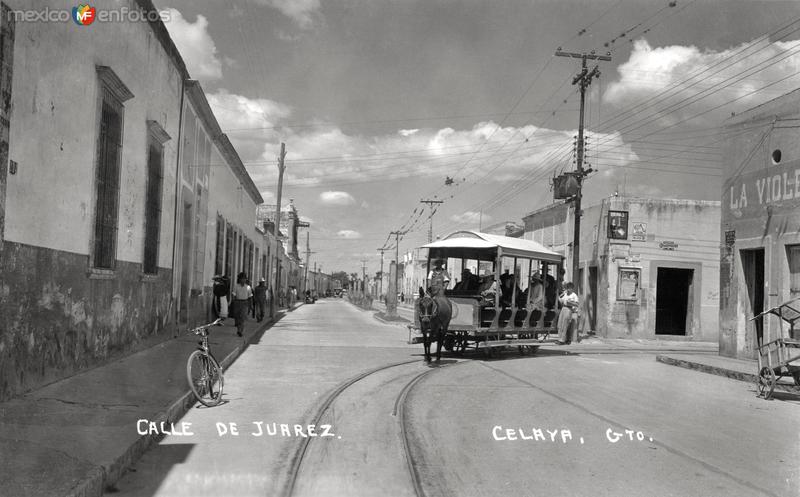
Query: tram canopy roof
x=484, y=246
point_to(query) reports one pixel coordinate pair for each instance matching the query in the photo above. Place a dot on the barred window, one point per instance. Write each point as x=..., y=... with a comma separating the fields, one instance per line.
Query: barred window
x=220, y=256
x=201, y=214
x=109, y=145
x=229, y=241
x=152, y=208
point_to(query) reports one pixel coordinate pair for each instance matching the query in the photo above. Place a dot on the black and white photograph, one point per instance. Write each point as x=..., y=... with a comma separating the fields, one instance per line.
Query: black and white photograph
x=400, y=248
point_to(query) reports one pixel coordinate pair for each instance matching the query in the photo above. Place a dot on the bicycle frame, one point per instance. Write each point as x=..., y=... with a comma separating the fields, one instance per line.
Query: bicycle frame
x=210, y=367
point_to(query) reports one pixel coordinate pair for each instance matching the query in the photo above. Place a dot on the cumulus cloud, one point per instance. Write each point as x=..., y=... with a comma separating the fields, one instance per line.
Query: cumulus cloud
x=348, y=234
x=470, y=217
x=253, y=126
x=484, y=153
x=195, y=45
x=675, y=83
x=337, y=198
x=407, y=132
x=299, y=11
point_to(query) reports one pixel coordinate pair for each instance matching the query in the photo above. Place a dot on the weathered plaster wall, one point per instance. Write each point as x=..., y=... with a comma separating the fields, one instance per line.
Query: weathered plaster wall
x=687, y=226
x=56, y=318
x=760, y=209
x=55, y=321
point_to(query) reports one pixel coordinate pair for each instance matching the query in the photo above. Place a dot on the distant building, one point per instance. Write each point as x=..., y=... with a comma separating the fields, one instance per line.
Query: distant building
x=505, y=228
x=648, y=267
x=760, y=230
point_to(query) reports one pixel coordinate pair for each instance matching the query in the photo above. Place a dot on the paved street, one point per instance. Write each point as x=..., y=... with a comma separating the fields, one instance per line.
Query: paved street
x=549, y=424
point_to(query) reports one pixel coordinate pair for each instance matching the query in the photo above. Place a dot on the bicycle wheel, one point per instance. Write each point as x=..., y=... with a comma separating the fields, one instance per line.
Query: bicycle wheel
x=205, y=378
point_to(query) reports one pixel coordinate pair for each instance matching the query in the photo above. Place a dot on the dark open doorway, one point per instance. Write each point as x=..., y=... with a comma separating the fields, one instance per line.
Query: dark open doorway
x=673, y=291
x=753, y=268
x=591, y=300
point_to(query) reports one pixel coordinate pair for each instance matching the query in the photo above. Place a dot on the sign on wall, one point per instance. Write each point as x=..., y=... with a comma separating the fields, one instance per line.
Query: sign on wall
x=618, y=225
x=628, y=284
x=639, y=232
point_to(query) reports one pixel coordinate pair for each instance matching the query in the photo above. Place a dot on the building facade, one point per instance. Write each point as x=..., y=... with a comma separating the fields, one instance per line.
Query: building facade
x=647, y=266
x=87, y=189
x=120, y=197
x=760, y=226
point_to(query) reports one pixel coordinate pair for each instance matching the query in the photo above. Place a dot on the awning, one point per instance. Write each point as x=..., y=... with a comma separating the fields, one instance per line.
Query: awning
x=468, y=243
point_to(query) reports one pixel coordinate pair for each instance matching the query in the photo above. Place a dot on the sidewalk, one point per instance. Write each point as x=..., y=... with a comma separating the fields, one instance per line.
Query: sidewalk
x=75, y=437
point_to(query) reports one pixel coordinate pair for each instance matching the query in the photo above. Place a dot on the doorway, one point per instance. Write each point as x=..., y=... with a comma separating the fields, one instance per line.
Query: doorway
x=186, y=259
x=673, y=293
x=591, y=299
x=753, y=268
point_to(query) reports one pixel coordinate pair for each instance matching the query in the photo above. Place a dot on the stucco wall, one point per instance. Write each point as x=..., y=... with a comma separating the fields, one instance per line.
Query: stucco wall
x=760, y=209
x=50, y=201
x=679, y=234
x=54, y=321
x=55, y=317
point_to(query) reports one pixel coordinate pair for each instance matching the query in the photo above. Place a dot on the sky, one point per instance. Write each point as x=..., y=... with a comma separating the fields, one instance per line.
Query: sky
x=384, y=103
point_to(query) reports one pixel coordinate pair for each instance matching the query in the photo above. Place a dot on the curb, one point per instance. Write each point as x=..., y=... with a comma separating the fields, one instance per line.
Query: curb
x=103, y=478
x=728, y=373
x=404, y=322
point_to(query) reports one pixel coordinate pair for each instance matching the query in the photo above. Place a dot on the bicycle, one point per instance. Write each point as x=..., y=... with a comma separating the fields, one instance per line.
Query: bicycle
x=203, y=371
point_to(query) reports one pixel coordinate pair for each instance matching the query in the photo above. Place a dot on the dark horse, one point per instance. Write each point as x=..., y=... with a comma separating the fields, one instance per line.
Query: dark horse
x=434, y=318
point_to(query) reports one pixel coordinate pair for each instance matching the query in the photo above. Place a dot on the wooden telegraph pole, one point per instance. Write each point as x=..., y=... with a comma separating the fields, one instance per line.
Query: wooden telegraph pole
x=583, y=80
x=364, y=285
x=431, y=203
x=276, y=225
x=308, y=255
x=391, y=301
x=380, y=282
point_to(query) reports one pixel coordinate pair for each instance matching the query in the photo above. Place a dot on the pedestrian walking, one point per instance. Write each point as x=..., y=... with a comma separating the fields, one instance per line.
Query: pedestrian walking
x=568, y=317
x=261, y=299
x=242, y=295
x=220, y=289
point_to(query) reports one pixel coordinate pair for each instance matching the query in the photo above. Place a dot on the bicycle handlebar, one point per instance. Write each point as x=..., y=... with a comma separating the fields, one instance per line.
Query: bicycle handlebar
x=200, y=329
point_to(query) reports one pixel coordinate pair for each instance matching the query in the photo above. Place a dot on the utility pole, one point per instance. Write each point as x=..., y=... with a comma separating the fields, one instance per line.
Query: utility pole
x=276, y=225
x=583, y=80
x=380, y=283
x=392, y=300
x=308, y=257
x=430, y=204
x=397, y=253
x=364, y=276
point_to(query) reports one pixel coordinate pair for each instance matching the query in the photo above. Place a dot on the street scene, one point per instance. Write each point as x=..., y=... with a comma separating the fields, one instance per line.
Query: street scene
x=419, y=248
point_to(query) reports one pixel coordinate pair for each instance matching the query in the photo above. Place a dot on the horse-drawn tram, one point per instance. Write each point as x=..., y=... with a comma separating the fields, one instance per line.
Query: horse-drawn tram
x=502, y=292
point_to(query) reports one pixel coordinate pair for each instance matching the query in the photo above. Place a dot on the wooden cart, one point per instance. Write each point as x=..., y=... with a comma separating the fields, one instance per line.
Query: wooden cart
x=779, y=357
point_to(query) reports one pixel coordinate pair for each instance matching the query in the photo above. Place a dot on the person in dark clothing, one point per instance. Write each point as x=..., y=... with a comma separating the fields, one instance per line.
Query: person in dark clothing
x=220, y=290
x=260, y=292
x=242, y=296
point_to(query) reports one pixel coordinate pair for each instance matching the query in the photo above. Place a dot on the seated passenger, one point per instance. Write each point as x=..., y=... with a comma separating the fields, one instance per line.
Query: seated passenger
x=469, y=283
x=488, y=290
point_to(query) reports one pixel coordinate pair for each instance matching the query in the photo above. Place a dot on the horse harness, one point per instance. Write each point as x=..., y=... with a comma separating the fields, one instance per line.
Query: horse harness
x=427, y=302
